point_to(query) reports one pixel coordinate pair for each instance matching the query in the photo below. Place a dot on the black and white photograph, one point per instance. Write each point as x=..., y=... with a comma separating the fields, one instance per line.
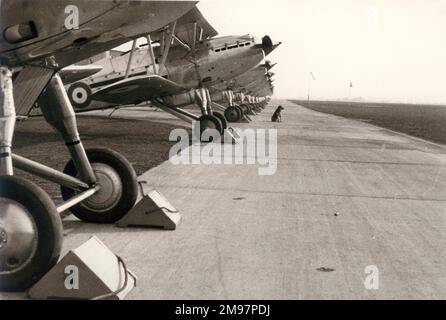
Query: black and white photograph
x=240, y=151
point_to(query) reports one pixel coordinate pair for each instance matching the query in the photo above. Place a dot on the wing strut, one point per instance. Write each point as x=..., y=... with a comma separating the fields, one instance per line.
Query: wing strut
x=201, y=34
x=184, y=45
x=129, y=64
x=152, y=56
x=194, y=58
x=167, y=44
x=194, y=45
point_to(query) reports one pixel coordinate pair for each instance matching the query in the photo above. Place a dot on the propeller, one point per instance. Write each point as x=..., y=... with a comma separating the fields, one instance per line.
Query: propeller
x=268, y=46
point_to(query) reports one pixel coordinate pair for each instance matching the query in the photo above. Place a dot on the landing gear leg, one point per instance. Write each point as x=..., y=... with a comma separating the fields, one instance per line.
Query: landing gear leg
x=201, y=98
x=7, y=122
x=218, y=115
x=207, y=121
x=30, y=227
x=59, y=113
x=108, y=171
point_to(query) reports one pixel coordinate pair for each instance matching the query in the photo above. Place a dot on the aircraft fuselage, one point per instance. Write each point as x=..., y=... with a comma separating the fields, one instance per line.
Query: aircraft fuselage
x=216, y=61
x=73, y=30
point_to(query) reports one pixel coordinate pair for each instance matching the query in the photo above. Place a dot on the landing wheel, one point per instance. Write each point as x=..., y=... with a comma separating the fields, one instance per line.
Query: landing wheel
x=80, y=95
x=222, y=119
x=233, y=114
x=118, y=188
x=31, y=234
x=209, y=122
x=241, y=111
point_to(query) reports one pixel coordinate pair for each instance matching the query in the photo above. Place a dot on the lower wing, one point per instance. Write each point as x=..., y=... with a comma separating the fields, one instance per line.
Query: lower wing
x=137, y=89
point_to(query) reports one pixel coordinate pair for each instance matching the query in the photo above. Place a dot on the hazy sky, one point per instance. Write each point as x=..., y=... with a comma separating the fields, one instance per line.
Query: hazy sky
x=390, y=49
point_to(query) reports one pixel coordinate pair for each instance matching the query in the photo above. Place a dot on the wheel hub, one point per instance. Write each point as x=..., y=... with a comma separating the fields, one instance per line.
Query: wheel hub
x=233, y=113
x=110, y=191
x=207, y=124
x=18, y=236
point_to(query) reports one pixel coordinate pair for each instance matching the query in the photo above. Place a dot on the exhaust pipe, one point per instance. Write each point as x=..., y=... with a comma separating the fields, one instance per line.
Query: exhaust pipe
x=268, y=65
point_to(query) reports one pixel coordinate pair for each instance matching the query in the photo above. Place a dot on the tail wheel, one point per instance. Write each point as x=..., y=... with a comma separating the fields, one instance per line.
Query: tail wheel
x=80, y=95
x=31, y=234
x=222, y=119
x=233, y=114
x=118, y=188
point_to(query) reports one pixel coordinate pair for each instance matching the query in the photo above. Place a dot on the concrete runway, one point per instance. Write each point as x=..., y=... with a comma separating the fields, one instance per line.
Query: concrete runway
x=245, y=236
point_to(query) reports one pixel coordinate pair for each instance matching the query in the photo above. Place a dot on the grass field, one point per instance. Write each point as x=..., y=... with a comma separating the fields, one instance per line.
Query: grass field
x=423, y=121
x=144, y=143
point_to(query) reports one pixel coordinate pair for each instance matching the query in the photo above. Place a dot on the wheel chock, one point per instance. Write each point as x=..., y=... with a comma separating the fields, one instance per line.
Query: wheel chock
x=90, y=272
x=244, y=119
x=235, y=132
x=248, y=118
x=153, y=210
x=231, y=136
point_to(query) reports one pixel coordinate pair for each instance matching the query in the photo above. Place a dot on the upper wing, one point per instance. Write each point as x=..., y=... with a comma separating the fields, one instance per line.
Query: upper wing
x=33, y=30
x=76, y=73
x=137, y=89
x=185, y=28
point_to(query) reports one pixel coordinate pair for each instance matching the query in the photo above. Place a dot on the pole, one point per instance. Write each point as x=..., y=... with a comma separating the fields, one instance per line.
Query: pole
x=350, y=85
x=309, y=86
x=310, y=77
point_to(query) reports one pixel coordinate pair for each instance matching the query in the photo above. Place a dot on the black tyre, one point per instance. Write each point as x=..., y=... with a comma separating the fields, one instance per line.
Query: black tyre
x=208, y=122
x=118, y=192
x=31, y=234
x=244, y=108
x=241, y=111
x=222, y=119
x=80, y=95
x=233, y=114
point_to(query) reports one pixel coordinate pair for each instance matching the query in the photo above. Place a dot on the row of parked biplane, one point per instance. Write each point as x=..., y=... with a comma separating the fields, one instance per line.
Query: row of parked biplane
x=180, y=65
x=63, y=71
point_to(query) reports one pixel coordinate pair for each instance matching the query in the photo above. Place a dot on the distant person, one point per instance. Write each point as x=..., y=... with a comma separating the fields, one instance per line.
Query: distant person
x=277, y=116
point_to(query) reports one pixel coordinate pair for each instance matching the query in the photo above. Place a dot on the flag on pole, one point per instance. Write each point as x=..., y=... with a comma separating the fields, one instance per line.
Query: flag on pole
x=351, y=84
